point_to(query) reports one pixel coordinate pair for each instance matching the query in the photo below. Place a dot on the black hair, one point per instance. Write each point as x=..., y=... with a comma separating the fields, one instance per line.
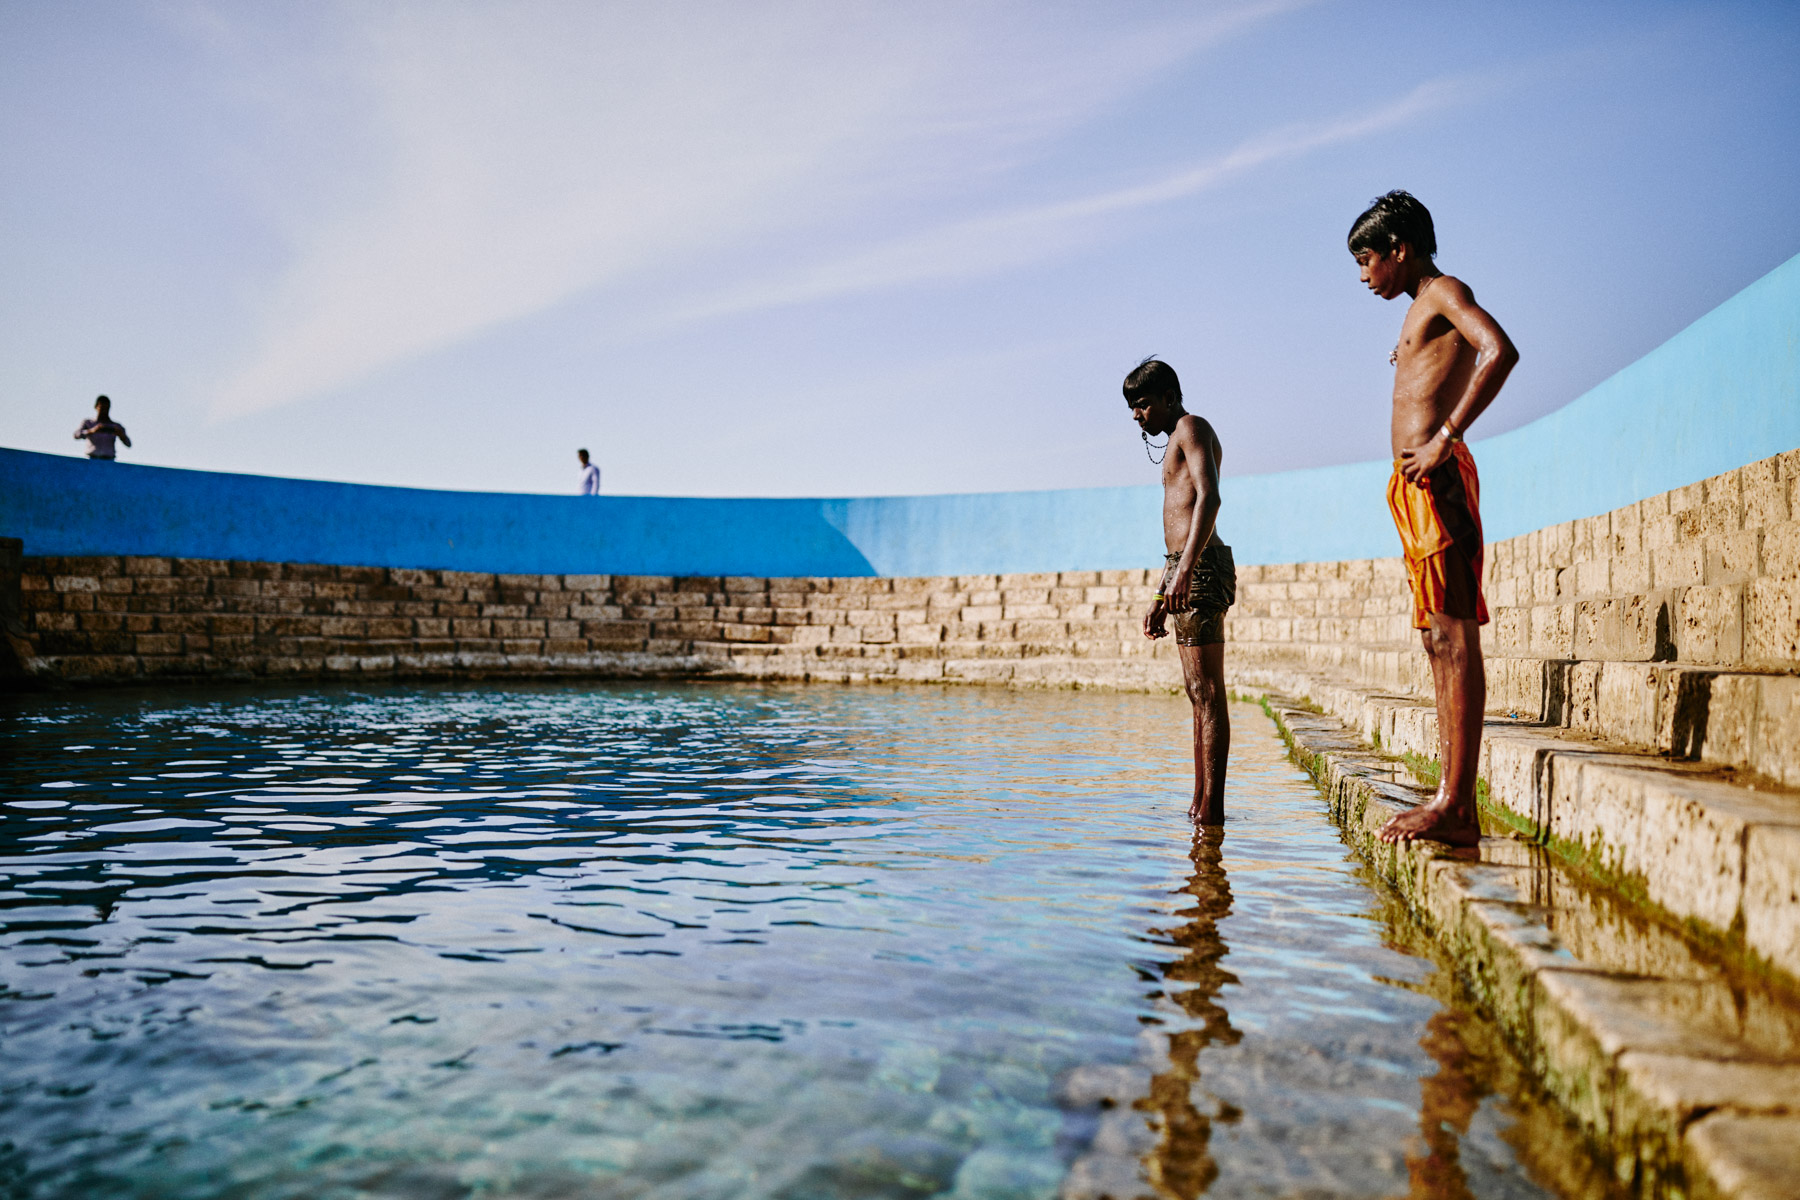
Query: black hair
x=1152, y=378
x=1390, y=220
x=583, y=452
x=99, y=400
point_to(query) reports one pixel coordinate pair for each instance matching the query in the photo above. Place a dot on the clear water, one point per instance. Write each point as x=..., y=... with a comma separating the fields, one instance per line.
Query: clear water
x=705, y=941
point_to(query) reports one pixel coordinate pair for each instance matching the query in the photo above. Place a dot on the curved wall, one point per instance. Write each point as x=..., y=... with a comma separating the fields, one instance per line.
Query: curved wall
x=1722, y=393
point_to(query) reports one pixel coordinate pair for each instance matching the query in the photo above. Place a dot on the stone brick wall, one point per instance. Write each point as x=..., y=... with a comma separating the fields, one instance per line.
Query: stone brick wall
x=117, y=619
x=1671, y=625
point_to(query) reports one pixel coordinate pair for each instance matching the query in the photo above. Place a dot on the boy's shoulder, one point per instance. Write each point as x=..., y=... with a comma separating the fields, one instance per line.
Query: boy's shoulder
x=1194, y=427
x=1446, y=290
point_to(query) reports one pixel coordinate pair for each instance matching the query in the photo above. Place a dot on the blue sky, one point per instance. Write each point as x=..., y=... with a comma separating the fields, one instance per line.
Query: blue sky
x=818, y=249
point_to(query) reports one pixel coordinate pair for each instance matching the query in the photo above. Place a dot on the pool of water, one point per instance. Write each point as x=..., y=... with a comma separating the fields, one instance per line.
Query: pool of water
x=696, y=941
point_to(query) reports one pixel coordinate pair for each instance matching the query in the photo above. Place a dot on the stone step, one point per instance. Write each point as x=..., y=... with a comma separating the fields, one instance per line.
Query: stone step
x=1743, y=720
x=1702, y=846
x=1679, y=1066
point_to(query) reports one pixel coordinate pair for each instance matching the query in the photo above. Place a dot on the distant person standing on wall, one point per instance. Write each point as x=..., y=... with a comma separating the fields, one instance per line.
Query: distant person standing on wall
x=100, y=431
x=590, y=474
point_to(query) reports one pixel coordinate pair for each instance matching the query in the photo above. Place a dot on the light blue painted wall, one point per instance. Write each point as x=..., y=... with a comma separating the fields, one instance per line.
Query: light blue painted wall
x=1722, y=393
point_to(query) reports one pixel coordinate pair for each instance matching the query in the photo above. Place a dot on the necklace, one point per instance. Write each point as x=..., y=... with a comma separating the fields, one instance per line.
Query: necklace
x=1148, y=447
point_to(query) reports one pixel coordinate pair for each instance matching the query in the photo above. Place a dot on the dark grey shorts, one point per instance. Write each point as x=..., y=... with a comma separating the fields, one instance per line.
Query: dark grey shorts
x=1214, y=590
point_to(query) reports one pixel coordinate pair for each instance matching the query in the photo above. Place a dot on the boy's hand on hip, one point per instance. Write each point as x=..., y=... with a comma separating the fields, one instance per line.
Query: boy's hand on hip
x=1416, y=462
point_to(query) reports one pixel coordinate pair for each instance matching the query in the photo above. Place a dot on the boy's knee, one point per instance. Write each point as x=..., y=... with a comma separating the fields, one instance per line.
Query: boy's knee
x=1205, y=692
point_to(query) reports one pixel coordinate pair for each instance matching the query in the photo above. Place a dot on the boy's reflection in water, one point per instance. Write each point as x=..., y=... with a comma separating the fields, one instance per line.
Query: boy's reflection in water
x=1181, y=1165
x=1447, y=1103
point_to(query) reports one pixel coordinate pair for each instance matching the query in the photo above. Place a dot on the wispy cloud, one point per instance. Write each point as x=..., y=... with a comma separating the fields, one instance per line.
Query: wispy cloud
x=1017, y=237
x=504, y=159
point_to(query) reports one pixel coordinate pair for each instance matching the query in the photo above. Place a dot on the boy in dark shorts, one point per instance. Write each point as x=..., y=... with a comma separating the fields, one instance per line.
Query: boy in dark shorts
x=1199, y=581
x=1449, y=365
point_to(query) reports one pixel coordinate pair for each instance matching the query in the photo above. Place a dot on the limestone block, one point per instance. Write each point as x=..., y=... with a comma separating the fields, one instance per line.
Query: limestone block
x=1553, y=630
x=1772, y=893
x=1658, y=530
x=1030, y=612
x=921, y=633
x=1781, y=549
x=1628, y=534
x=1516, y=687
x=1726, y=727
x=1746, y=1157
x=1775, y=741
x=1772, y=623
x=1682, y=499
x=978, y=670
x=1709, y=628
x=1539, y=586
x=1733, y=557
x=1623, y=628
x=1631, y=573
x=1593, y=577
x=1678, y=566
x=1509, y=631
x=1556, y=545
x=180, y=586
x=980, y=612
x=1683, y=835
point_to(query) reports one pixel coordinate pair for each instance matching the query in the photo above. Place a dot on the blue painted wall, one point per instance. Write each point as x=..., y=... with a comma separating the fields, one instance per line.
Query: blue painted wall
x=1722, y=393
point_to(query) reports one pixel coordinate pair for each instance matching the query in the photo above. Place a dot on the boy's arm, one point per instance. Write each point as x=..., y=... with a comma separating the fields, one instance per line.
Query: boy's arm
x=1495, y=356
x=1195, y=438
x=122, y=437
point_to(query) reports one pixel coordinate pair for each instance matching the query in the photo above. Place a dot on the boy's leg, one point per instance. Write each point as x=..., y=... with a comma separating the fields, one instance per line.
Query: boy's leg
x=1203, y=670
x=1460, y=680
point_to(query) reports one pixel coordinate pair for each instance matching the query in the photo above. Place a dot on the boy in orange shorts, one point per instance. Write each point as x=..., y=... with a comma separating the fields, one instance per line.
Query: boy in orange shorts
x=1449, y=365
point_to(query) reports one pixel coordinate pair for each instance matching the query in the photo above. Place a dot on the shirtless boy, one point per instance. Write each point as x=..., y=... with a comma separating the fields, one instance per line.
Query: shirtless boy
x=1199, y=580
x=1449, y=365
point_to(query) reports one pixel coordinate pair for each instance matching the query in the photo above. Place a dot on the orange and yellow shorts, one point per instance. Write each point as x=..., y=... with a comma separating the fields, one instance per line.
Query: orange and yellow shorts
x=1440, y=534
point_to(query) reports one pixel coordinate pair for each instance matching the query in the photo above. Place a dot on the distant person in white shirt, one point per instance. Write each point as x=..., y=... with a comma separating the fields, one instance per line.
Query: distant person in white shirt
x=100, y=431
x=590, y=474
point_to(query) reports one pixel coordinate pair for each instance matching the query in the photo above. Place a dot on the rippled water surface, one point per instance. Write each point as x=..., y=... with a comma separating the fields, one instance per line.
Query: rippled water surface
x=705, y=941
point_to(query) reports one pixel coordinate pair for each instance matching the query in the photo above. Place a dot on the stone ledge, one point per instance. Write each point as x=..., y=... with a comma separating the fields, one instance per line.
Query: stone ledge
x=1698, y=844
x=1728, y=718
x=1678, y=1069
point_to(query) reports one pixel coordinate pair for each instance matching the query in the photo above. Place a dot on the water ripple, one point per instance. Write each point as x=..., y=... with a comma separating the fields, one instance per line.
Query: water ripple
x=683, y=941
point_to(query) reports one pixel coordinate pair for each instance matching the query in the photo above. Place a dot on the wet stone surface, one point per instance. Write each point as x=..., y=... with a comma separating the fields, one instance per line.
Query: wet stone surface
x=711, y=941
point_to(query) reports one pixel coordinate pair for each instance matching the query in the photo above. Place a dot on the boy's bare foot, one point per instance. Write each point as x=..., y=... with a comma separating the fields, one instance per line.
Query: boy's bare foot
x=1439, y=821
